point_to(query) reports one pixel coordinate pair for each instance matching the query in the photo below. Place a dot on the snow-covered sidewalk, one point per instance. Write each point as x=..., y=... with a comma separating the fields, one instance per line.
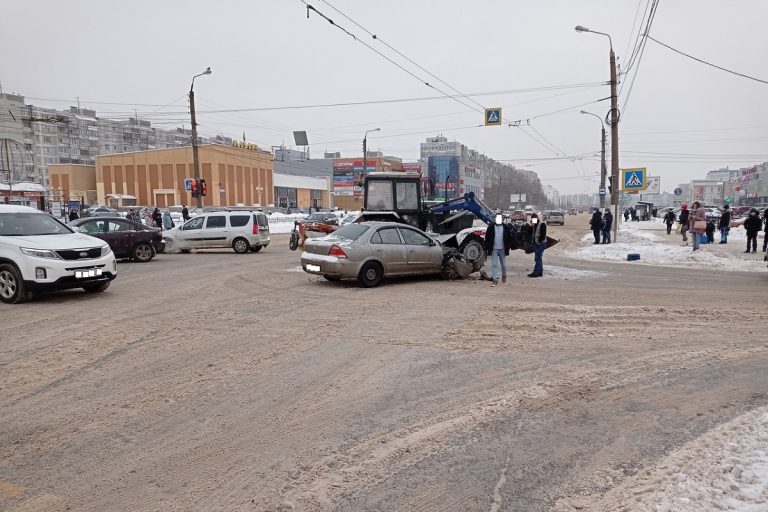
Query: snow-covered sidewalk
x=655, y=247
x=725, y=469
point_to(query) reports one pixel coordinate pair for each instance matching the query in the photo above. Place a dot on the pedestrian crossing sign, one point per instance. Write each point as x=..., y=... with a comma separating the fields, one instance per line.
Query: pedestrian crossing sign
x=493, y=116
x=635, y=179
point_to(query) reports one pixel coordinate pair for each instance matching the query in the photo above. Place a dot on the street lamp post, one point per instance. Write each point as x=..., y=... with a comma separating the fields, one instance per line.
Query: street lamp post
x=195, y=156
x=614, y=123
x=603, y=169
x=365, y=152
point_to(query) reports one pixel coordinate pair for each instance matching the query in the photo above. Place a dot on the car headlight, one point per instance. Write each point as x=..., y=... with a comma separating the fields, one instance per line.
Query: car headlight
x=105, y=250
x=40, y=253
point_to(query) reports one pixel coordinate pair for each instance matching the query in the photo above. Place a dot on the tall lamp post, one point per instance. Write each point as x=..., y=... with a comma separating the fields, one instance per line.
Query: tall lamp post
x=614, y=124
x=195, y=157
x=365, y=151
x=603, y=169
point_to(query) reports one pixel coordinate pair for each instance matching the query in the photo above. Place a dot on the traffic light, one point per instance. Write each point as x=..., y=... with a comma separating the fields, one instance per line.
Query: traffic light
x=610, y=185
x=193, y=188
x=203, y=188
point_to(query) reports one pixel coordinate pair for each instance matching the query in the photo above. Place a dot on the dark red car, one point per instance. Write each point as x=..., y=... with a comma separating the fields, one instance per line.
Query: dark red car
x=126, y=238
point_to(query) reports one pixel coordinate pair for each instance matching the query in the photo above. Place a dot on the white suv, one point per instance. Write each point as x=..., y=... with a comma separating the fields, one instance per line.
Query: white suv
x=39, y=253
x=242, y=230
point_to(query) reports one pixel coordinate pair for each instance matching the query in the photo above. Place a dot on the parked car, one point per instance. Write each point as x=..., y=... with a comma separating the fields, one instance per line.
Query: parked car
x=556, y=217
x=127, y=238
x=100, y=211
x=327, y=218
x=573, y=211
x=39, y=253
x=242, y=230
x=370, y=251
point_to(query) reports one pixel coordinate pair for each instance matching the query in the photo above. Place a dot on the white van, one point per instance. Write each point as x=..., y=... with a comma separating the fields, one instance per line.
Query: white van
x=242, y=230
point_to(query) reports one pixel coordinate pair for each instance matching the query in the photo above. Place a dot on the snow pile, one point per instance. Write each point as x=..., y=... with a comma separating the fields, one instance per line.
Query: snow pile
x=726, y=469
x=568, y=274
x=646, y=240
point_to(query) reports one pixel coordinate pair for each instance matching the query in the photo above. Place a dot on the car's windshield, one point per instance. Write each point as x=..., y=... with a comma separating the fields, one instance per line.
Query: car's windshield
x=350, y=231
x=316, y=217
x=30, y=224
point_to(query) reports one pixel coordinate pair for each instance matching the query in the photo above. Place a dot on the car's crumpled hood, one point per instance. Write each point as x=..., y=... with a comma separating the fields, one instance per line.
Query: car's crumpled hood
x=54, y=242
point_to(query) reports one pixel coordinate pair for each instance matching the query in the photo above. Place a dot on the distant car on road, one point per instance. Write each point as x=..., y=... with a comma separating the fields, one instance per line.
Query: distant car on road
x=573, y=211
x=100, y=211
x=556, y=217
x=518, y=215
x=128, y=239
x=370, y=251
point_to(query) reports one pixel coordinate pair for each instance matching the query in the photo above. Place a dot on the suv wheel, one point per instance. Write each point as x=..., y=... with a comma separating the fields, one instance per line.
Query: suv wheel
x=143, y=252
x=12, y=289
x=241, y=245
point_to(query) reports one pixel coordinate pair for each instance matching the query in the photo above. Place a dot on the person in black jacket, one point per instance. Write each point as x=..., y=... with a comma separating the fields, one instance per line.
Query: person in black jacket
x=725, y=224
x=669, y=219
x=683, y=220
x=607, y=224
x=498, y=242
x=752, y=224
x=765, y=220
x=538, y=237
x=596, y=223
x=157, y=218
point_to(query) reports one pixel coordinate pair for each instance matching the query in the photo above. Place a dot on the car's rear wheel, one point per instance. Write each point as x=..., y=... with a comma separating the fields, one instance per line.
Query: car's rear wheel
x=255, y=248
x=143, y=252
x=12, y=290
x=370, y=275
x=241, y=245
x=96, y=288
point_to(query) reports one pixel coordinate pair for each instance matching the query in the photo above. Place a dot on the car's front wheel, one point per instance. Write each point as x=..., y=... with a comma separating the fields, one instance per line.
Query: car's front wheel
x=12, y=290
x=370, y=275
x=96, y=288
x=143, y=252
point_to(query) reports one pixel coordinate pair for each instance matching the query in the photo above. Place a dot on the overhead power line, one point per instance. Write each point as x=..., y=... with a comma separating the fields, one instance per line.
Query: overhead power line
x=707, y=63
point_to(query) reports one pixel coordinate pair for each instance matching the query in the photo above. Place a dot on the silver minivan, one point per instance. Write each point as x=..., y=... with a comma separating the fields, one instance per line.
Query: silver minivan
x=240, y=230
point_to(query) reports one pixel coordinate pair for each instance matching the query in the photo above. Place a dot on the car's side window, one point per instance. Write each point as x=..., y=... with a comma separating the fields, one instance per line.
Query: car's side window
x=389, y=236
x=376, y=238
x=238, y=221
x=411, y=237
x=119, y=226
x=196, y=223
x=92, y=227
x=216, y=221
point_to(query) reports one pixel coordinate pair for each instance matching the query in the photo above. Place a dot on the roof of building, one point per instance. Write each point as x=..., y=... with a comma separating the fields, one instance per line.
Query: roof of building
x=23, y=187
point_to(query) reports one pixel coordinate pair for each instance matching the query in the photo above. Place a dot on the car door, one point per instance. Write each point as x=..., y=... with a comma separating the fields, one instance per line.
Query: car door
x=216, y=231
x=421, y=255
x=120, y=236
x=190, y=235
x=388, y=248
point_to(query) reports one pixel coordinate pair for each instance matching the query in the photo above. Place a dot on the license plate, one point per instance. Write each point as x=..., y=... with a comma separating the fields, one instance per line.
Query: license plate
x=313, y=268
x=84, y=274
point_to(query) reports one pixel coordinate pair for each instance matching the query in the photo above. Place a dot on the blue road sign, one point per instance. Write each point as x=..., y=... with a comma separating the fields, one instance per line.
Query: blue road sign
x=188, y=184
x=493, y=116
x=634, y=179
x=678, y=191
x=602, y=192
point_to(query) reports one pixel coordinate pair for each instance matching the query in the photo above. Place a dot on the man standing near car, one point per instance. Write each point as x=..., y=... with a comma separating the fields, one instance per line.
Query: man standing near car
x=538, y=237
x=498, y=242
x=725, y=224
x=184, y=213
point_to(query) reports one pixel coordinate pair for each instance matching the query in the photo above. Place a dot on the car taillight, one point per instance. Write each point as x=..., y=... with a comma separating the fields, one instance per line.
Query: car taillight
x=337, y=251
x=255, y=228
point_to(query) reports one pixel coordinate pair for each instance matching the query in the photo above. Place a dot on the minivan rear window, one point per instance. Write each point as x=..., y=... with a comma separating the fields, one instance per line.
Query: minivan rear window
x=238, y=221
x=262, y=221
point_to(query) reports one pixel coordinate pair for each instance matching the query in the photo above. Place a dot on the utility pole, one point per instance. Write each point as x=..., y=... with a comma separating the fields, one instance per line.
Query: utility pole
x=195, y=155
x=603, y=170
x=614, y=147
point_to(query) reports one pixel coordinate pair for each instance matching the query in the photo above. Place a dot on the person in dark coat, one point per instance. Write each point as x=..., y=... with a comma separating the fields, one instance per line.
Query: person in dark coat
x=752, y=224
x=724, y=225
x=498, y=242
x=157, y=218
x=184, y=213
x=607, y=224
x=710, y=231
x=73, y=215
x=538, y=238
x=626, y=215
x=669, y=219
x=596, y=224
x=683, y=220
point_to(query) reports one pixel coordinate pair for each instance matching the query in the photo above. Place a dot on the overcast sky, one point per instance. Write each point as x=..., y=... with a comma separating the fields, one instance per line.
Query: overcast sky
x=681, y=119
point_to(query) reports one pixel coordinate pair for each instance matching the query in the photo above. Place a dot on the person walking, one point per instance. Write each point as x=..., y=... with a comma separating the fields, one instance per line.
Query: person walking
x=538, y=237
x=626, y=215
x=683, y=220
x=73, y=215
x=669, y=219
x=184, y=213
x=498, y=242
x=607, y=224
x=596, y=223
x=752, y=224
x=157, y=218
x=698, y=224
x=725, y=224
